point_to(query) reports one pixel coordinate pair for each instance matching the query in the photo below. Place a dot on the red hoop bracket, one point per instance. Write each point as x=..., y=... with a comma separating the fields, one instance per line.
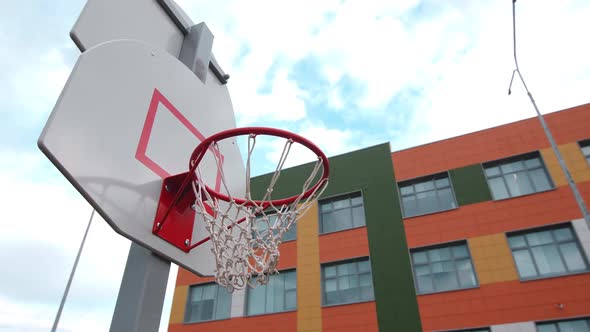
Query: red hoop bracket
x=175, y=214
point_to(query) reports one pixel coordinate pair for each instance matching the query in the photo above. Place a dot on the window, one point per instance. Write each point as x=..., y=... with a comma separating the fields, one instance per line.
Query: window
x=207, y=302
x=574, y=325
x=280, y=294
x=547, y=252
x=262, y=226
x=427, y=195
x=585, y=147
x=517, y=176
x=343, y=212
x=443, y=268
x=347, y=282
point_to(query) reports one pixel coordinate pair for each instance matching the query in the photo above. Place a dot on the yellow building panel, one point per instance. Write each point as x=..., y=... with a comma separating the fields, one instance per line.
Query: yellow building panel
x=575, y=161
x=178, y=304
x=492, y=259
x=309, y=295
x=577, y=164
x=553, y=167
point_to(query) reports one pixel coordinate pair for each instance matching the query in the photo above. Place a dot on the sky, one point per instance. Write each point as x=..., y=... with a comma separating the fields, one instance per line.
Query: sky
x=345, y=74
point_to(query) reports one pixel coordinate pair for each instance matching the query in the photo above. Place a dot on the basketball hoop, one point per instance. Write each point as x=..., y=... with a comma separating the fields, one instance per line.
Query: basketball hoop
x=246, y=233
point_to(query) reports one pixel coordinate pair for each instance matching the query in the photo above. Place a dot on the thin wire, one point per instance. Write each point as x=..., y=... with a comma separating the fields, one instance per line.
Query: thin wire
x=67, y=290
x=570, y=181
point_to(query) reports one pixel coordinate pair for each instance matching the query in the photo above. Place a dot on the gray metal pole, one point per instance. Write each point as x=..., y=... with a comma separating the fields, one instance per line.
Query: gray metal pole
x=562, y=164
x=141, y=296
x=143, y=288
x=67, y=290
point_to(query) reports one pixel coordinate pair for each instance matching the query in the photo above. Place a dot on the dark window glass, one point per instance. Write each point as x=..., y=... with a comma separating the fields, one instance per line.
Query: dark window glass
x=574, y=325
x=427, y=195
x=340, y=213
x=585, y=147
x=207, y=302
x=547, y=252
x=347, y=282
x=443, y=268
x=517, y=176
x=280, y=294
x=262, y=225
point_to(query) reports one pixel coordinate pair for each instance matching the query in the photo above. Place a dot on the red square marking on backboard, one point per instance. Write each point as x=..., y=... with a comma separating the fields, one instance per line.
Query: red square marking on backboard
x=140, y=154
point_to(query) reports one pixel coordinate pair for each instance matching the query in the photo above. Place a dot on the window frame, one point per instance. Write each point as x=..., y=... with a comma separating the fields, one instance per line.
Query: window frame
x=422, y=179
x=340, y=262
x=520, y=157
x=553, y=321
x=188, y=304
x=338, y=197
x=293, y=227
x=443, y=245
x=582, y=144
x=537, y=229
x=247, y=302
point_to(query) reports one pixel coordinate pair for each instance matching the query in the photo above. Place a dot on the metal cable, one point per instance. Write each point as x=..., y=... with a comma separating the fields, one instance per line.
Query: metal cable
x=562, y=164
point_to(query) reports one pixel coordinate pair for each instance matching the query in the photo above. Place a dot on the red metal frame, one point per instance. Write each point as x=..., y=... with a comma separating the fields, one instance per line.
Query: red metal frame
x=177, y=196
x=201, y=149
x=175, y=208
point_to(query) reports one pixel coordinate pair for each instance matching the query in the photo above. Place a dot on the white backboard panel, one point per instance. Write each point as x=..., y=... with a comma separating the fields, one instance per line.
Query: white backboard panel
x=131, y=114
x=144, y=20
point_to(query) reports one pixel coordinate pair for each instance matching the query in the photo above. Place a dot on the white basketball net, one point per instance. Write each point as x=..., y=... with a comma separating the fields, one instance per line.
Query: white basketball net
x=246, y=237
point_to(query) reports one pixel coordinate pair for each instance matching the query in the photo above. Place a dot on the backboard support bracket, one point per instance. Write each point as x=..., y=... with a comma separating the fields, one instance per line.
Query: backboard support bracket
x=175, y=215
x=192, y=32
x=196, y=50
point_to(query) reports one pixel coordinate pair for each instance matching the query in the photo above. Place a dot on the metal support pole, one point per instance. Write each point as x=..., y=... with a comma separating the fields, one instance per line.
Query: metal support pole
x=562, y=164
x=141, y=296
x=67, y=290
x=143, y=288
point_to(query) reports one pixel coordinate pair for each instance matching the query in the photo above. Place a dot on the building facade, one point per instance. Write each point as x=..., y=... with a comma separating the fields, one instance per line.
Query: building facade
x=475, y=233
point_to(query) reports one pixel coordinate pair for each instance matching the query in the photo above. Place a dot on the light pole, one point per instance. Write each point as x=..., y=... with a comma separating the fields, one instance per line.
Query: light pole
x=562, y=164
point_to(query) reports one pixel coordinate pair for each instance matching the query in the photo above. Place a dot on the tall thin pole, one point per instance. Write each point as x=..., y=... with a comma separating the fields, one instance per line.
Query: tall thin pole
x=67, y=290
x=562, y=164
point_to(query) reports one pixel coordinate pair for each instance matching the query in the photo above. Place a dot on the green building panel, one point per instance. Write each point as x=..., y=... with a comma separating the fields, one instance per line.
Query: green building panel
x=470, y=185
x=370, y=171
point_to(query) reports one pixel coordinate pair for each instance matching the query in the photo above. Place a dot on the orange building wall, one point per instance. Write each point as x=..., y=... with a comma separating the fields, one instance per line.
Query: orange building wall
x=332, y=247
x=288, y=260
x=286, y=321
x=350, y=317
x=516, y=138
x=265, y=323
x=494, y=217
x=501, y=297
x=343, y=245
x=506, y=302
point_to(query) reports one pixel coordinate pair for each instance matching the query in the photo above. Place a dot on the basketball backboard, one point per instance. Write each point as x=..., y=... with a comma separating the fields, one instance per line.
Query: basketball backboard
x=130, y=115
x=144, y=20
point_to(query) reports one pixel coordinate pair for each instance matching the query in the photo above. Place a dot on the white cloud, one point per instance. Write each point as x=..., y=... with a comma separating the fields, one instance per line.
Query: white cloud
x=37, y=86
x=24, y=317
x=285, y=102
x=467, y=90
x=46, y=220
x=331, y=141
x=335, y=99
x=458, y=55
